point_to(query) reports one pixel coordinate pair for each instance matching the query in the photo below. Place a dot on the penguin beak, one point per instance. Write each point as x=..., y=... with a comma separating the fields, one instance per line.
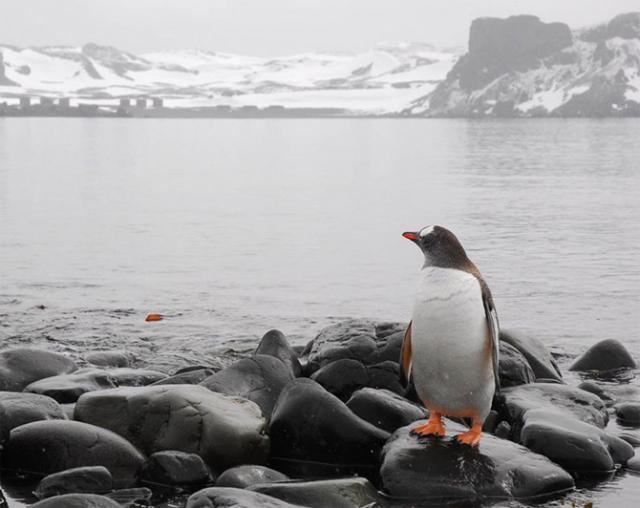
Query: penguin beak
x=410, y=236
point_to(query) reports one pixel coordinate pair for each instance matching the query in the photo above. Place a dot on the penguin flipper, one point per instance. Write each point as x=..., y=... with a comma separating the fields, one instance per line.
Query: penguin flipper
x=494, y=333
x=405, y=357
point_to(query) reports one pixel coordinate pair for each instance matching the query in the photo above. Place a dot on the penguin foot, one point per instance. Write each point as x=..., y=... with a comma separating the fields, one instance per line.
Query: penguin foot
x=471, y=437
x=433, y=427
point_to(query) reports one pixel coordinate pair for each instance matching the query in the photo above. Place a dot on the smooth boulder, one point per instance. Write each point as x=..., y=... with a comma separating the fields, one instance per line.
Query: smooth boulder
x=190, y=377
x=259, y=378
x=313, y=432
x=538, y=356
x=176, y=468
x=109, y=358
x=77, y=501
x=244, y=476
x=513, y=367
x=22, y=366
x=47, y=447
x=606, y=355
x=18, y=408
x=342, y=377
x=384, y=409
x=275, y=344
x=80, y=480
x=428, y=470
x=225, y=431
x=337, y=493
x=628, y=413
x=227, y=497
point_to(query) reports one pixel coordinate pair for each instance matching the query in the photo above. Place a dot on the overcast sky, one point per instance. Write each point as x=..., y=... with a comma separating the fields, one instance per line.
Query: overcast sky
x=273, y=27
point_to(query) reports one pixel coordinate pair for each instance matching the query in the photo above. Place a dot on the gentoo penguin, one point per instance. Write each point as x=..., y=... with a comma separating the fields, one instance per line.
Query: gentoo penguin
x=451, y=344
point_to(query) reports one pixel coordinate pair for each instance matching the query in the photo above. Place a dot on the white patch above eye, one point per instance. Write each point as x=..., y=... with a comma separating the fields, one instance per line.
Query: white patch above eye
x=425, y=231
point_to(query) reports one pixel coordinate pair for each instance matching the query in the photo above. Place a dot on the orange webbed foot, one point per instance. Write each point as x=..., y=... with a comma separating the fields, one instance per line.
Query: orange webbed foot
x=433, y=427
x=471, y=437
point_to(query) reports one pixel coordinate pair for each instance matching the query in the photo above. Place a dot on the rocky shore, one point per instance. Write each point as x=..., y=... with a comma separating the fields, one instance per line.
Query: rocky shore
x=327, y=425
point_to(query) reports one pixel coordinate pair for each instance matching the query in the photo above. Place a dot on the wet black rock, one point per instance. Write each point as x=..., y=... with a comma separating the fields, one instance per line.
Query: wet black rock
x=628, y=413
x=275, y=344
x=384, y=409
x=309, y=425
x=214, y=497
x=342, y=377
x=51, y=446
x=335, y=493
x=19, y=408
x=241, y=477
x=514, y=368
x=80, y=480
x=633, y=464
x=22, y=366
x=633, y=438
x=190, y=377
x=133, y=497
x=596, y=389
x=514, y=403
x=176, y=468
x=259, y=378
x=606, y=355
x=225, y=431
x=67, y=388
x=536, y=353
x=435, y=470
x=576, y=446
x=109, y=358
x=385, y=375
x=358, y=339
x=77, y=501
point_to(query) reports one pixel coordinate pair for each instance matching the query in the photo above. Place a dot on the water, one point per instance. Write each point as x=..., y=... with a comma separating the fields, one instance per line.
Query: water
x=233, y=227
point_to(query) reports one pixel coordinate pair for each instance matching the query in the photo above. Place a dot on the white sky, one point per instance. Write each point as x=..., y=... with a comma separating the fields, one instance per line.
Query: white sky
x=273, y=27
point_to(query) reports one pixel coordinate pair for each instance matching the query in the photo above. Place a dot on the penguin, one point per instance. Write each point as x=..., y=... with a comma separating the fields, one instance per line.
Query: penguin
x=450, y=347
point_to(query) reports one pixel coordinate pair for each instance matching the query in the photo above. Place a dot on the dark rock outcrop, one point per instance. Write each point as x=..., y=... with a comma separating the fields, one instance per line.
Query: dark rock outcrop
x=384, y=409
x=176, y=468
x=80, y=480
x=241, y=477
x=310, y=427
x=514, y=368
x=22, y=366
x=275, y=344
x=336, y=493
x=536, y=353
x=606, y=355
x=225, y=431
x=51, y=446
x=77, y=501
x=342, y=377
x=214, y=497
x=440, y=470
x=19, y=408
x=625, y=26
x=259, y=378
x=357, y=339
x=628, y=413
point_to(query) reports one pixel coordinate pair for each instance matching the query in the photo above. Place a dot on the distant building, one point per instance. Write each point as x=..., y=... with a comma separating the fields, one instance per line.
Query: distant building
x=141, y=102
x=46, y=101
x=25, y=102
x=157, y=102
x=125, y=103
x=64, y=102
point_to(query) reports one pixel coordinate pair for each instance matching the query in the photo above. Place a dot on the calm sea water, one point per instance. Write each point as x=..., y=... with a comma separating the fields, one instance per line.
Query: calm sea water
x=230, y=228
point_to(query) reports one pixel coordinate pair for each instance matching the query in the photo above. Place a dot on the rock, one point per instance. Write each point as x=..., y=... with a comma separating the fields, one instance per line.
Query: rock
x=225, y=431
x=77, y=501
x=67, y=388
x=385, y=375
x=514, y=368
x=138, y=496
x=605, y=355
x=342, y=377
x=630, y=437
x=259, y=379
x=22, y=366
x=275, y=344
x=390, y=351
x=515, y=402
x=576, y=446
x=384, y=409
x=109, y=358
x=47, y=447
x=596, y=389
x=310, y=426
x=633, y=464
x=502, y=430
x=440, y=469
x=234, y=498
x=19, y=408
x=176, y=468
x=358, y=339
x=191, y=377
x=80, y=480
x=339, y=493
x=536, y=353
x=628, y=413
x=241, y=477
x=625, y=26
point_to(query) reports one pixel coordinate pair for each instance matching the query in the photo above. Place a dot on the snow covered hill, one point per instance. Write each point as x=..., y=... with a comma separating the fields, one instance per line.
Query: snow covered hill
x=384, y=80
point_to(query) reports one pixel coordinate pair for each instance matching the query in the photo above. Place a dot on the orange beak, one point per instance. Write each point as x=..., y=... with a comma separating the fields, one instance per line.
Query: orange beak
x=410, y=236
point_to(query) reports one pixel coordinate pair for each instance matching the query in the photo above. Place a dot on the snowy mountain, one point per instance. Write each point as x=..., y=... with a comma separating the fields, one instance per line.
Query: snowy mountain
x=522, y=67
x=381, y=81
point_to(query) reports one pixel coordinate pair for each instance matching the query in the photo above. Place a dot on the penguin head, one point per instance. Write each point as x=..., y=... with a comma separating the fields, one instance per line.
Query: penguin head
x=439, y=246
